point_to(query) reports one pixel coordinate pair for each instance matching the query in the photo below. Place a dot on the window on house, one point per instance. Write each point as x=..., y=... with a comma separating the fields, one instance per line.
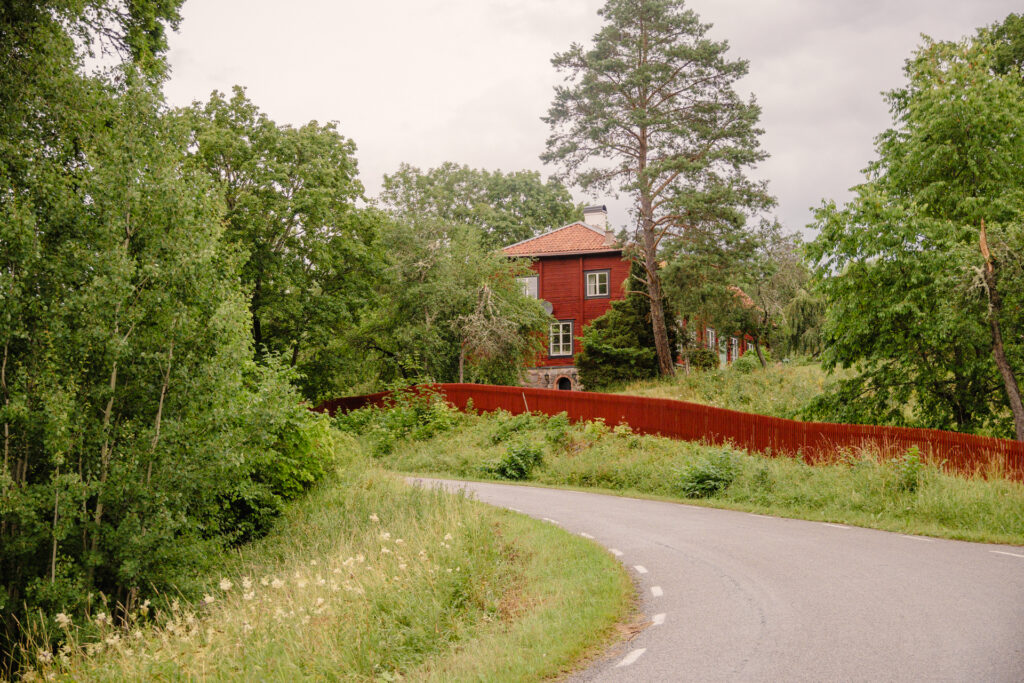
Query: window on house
x=529, y=285
x=597, y=283
x=735, y=348
x=710, y=338
x=561, y=338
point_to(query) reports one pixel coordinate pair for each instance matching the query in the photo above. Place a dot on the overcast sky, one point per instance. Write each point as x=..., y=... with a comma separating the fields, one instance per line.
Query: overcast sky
x=428, y=81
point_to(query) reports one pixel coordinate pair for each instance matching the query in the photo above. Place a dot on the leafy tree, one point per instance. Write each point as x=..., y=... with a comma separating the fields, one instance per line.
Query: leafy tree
x=452, y=308
x=291, y=194
x=919, y=298
x=506, y=207
x=650, y=110
x=133, y=421
x=619, y=345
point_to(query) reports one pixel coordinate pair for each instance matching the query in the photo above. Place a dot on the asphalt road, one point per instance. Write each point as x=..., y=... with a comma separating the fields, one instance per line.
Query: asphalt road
x=734, y=596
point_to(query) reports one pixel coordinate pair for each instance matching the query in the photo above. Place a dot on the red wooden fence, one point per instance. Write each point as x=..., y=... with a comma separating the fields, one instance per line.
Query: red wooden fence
x=814, y=441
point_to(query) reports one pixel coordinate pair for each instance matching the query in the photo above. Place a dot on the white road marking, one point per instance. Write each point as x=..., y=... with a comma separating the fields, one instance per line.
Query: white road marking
x=584, y=534
x=616, y=553
x=918, y=538
x=515, y=509
x=631, y=657
x=553, y=521
x=836, y=526
x=658, y=619
x=656, y=591
x=640, y=569
x=1003, y=552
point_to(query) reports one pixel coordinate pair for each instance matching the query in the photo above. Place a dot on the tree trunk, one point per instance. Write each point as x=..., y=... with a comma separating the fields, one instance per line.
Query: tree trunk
x=760, y=356
x=995, y=306
x=666, y=364
x=462, y=361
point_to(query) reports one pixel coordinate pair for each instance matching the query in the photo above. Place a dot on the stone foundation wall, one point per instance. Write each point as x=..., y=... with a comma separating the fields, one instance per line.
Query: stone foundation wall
x=547, y=378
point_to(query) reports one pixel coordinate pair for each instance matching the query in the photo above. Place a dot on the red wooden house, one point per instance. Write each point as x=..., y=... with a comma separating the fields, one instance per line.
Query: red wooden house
x=579, y=271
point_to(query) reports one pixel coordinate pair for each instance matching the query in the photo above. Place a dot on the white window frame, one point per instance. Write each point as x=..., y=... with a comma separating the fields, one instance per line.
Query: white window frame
x=557, y=347
x=593, y=281
x=710, y=338
x=735, y=347
x=530, y=285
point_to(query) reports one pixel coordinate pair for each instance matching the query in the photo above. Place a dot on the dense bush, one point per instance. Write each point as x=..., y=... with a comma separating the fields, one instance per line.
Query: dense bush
x=749, y=362
x=412, y=411
x=707, y=477
x=702, y=358
x=519, y=461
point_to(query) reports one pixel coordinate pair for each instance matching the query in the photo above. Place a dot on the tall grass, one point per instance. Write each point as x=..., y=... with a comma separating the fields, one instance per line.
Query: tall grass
x=780, y=390
x=369, y=579
x=904, y=495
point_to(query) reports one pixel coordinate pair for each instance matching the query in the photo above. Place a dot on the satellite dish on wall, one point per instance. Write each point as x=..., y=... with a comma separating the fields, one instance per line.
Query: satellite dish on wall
x=548, y=307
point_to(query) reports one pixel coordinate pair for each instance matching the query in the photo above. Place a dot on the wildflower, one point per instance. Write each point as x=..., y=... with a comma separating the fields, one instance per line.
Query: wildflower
x=297, y=575
x=225, y=585
x=208, y=599
x=360, y=559
x=320, y=580
x=402, y=566
x=399, y=541
x=312, y=563
x=374, y=517
x=248, y=596
x=447, y=537
x=247, y=583
x=277, y=583
x=319, y=601
x=112, y=639
x=45, y=656
x=102, y=618
x=348, y=562
x=385, y=551
x=144, y=607
x=137, y=634
x=175, y=606
x=386, y=535
x=301, y=583
x=63, y=620
x=246, y=627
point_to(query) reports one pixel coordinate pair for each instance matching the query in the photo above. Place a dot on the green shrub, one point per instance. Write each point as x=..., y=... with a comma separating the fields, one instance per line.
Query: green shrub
x=557, y=431
x=748, y=363
x=702, y=358
x=908, y=471
x=509, y=425
x=707, y=477
x=519, y=461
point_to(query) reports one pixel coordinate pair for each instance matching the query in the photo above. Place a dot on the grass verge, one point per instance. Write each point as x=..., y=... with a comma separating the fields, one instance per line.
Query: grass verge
x=367, y=578
x=904, y=495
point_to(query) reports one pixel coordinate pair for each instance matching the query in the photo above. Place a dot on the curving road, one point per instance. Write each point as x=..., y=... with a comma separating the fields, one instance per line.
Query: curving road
x=734, y=596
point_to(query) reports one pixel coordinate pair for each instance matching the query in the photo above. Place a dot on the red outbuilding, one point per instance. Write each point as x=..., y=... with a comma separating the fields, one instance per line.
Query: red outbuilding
x=579, y=271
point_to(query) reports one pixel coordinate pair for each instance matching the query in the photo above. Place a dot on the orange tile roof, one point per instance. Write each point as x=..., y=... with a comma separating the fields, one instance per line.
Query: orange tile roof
x=575, y=238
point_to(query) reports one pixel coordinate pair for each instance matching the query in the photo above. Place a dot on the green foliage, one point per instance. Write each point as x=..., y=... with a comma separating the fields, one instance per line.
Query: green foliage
x=312, y=257
x=900, y=264
x=449, y=303
x=707, y=477
x=412, y=411
x=619, y=346
x=519, y=461
x=702, y=358
x=504, y=207
x=909, y=469
x=749, y=362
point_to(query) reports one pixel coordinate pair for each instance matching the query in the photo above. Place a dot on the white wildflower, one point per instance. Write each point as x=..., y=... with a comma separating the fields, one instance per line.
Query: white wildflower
x=399, y=541
x=360, y=558
x=247, y=583
x=102, y=618
x=112, y=639
x=249, y=596
x=208, y=599
x=447, y=537
x=348, y=562
x=312, y=563
x=385, y=551
x=63, y=620
x=277, y=583
x=225, y=585
x=45, y=656
x=265, y=581
x=402, y=566
x=374, y=517
x=301, y=583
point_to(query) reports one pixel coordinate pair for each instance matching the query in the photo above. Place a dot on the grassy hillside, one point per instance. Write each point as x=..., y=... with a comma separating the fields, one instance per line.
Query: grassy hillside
x=370, y=579
x=904, y=495
x=780, y=390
